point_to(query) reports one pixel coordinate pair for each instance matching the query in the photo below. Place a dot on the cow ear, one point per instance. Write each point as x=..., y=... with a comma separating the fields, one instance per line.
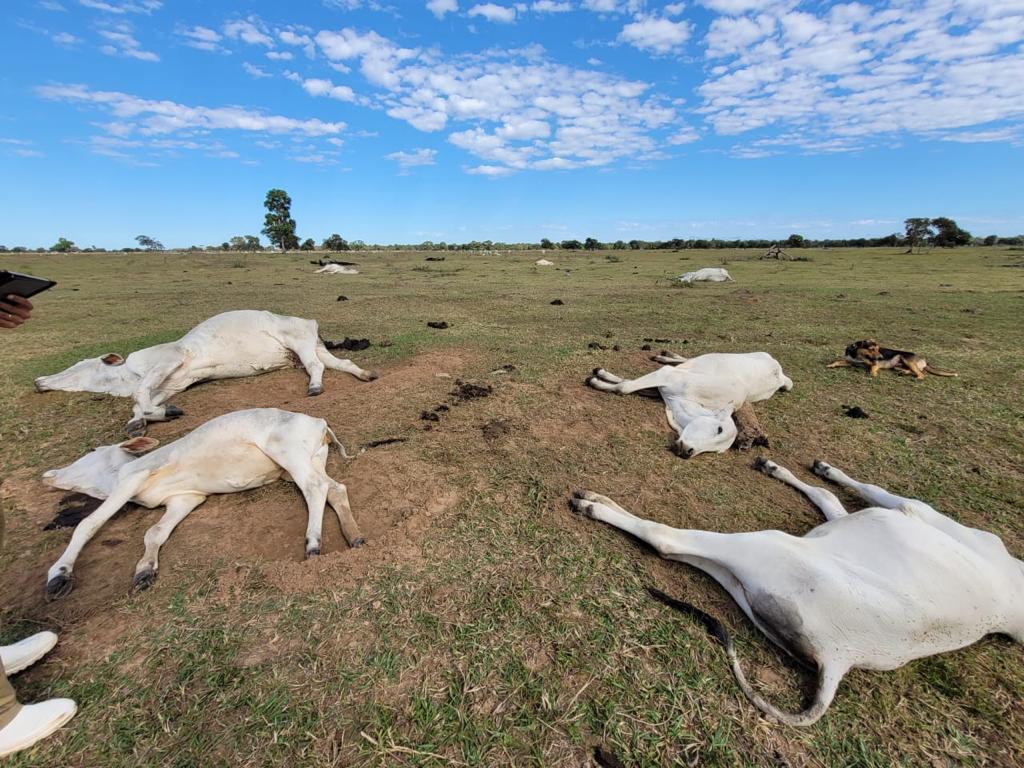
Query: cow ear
x=113, y=359
x=139, y=445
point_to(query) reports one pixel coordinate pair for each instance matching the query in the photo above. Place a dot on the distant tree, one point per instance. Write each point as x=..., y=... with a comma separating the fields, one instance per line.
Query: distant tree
x=278, y=224
x=3, y=249
x=245, y=243
x=546, y=244
x=990, y=240
x=308, y=245
x=619, y=245
x=149, y=243
x=948, y=234
x=918, y=232
x=252, y=243
x=357, y=245
x=571, y=245
x=591, y=244
x=635, y=245
x=795, y=241
x=225, y=246
x=335, y=243
x=19, y=249
x=63, y=245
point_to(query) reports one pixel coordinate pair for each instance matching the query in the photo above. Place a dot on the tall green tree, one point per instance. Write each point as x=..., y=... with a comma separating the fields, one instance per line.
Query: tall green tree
x=278, y=224
x=335, y=243
x=918, y=232
x=147, y=242
x=63, y=245
x=948, y=234
x=591, y=244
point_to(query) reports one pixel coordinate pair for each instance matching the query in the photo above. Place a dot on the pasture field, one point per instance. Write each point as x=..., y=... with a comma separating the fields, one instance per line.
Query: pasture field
x=483, y=624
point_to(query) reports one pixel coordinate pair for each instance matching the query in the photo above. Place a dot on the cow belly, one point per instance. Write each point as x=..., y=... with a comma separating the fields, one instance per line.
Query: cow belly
x=228, y=471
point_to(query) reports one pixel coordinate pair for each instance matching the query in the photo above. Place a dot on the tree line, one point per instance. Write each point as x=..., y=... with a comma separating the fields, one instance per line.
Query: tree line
x=280, y=229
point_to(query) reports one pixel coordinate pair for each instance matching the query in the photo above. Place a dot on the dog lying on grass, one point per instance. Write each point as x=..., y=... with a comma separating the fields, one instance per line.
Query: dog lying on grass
x=867, y=353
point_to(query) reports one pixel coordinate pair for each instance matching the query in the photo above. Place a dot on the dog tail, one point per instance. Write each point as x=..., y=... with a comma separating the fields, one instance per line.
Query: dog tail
x=938, y=371
x=828, y=681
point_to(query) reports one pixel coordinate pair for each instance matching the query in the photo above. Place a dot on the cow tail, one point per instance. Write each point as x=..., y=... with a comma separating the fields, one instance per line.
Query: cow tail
x=828, y=679
x=340, y=447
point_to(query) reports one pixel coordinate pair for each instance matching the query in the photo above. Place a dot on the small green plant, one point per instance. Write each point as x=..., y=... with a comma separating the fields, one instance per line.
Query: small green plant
x=613, y=258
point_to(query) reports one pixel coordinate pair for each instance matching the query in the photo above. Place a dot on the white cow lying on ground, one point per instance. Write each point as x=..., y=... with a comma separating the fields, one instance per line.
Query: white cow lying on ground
x=337, y=269
x=228, y=345
x=234, y=452
x=701, y=393
x=869, y=590
x=544, y=263
x=706, y=275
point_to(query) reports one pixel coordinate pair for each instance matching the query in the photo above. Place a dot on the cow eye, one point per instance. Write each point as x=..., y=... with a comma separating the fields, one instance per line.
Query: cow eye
x=720, y=430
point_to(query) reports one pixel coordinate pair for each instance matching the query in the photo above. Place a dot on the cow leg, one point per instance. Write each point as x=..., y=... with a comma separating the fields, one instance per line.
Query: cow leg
x=822, y=498
x=873, y=494
x=178, y=508
x=668, y=358
x=314, y=367
x=605, y=376
x=666, y=540
x=345, y=366
x=149, y=398
x=659, y=378
x=337, y=496
x=59, y=582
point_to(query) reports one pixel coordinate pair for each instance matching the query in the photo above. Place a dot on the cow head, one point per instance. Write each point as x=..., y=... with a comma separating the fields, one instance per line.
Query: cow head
x=713, y=432
x=106, y=375
x=96, y=473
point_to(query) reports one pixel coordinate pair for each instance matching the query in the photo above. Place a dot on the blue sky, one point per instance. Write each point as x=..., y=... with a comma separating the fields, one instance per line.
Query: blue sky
x=451, y=120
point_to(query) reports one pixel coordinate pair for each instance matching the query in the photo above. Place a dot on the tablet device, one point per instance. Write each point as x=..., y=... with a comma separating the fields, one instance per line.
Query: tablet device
x=25, y=286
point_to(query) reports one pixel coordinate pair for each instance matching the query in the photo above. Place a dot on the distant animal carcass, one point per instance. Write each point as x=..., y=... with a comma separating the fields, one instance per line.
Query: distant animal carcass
x=336, y=269
x=544, y=263
x=706, y=275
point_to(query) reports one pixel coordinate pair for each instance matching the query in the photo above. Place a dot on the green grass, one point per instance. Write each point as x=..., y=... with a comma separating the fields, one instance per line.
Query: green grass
x=510, y=632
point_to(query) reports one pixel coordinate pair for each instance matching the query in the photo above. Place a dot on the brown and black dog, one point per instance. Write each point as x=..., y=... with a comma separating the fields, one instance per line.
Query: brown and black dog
x=868, y=354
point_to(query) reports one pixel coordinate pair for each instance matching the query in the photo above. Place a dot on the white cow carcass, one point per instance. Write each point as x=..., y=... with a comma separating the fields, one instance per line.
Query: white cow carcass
x=544, y=263
x=706, y=275
x=870, y=590
x=337, y=269
x=231, y=344
x=234, y=452
x=701, y=393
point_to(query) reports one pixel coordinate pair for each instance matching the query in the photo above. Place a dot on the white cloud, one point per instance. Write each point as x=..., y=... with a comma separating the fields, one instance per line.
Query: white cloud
x=64, y=38
x=148, y=117
x=501, y=14
x=440, y=7
x=674, y=9
x=738, y=7
x=250, y=31
x=203, y=38
x=318, y=87
x=280, y=55
x=657, y=35
x=139, y=6
x=122, y=42
x=490, y=170
x=850, y=75
x=417, y=157
x=612, y=6
x=550, y=6
x=254, y=71
x=51, y=5
x=290, y=37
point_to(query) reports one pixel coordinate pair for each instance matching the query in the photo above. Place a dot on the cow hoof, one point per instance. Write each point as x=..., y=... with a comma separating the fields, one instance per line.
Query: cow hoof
x=590, y=381
x=312, y=552
x=314, y=391
x=173, y=412
x=596, y=372
x=358, y=542
x=763, y=465
x=820, y=468
x=59, y=586
x=136, y=428
x=143, y=580
x=372, y=376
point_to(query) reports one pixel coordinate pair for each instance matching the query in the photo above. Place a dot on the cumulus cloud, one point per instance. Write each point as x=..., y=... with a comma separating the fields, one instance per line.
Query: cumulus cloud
x=838, y=78
x=65, y=38
x=121, y=42
x=280, y=55
x=549, y=6
x=501, y=14
x=203, y=38
x=654, y=34
x=250, y=31
x=318, y=87
x=254, y=71
x=511, y=109
x=440, y=7
x=413, y=159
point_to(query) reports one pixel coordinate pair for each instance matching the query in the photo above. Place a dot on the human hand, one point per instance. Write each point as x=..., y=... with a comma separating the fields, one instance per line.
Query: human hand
x=14, y=310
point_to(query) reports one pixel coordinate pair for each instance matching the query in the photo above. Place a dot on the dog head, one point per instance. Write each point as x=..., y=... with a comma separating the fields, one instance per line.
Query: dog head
x=865, y=349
